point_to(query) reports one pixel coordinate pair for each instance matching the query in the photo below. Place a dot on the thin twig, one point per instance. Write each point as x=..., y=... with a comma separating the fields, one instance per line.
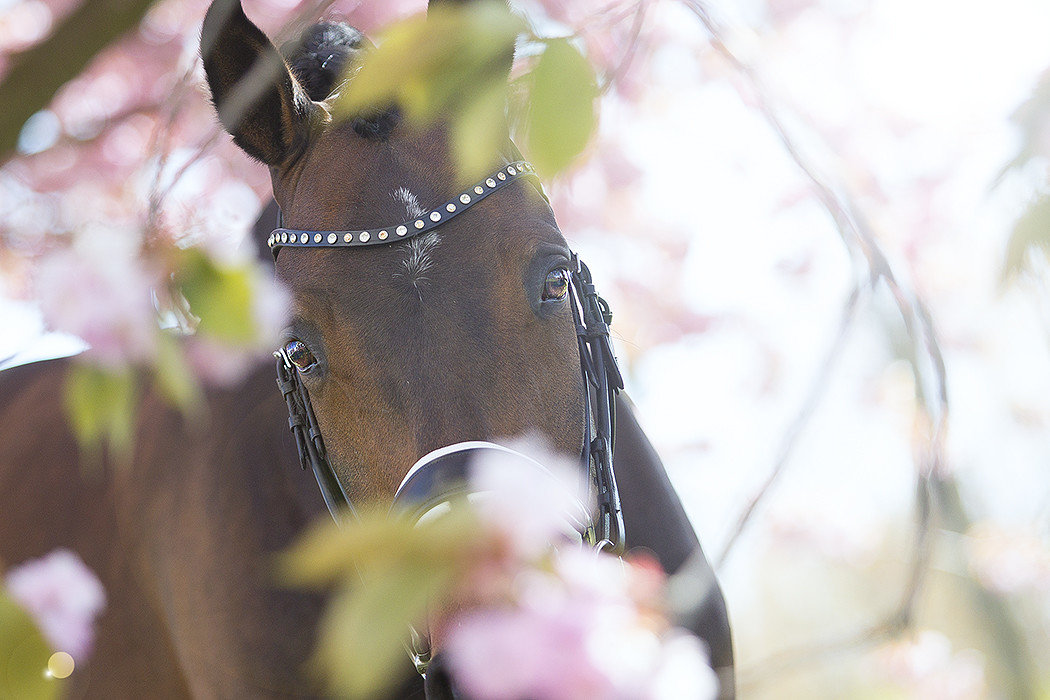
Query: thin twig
x=816, y=392
x=632, y=47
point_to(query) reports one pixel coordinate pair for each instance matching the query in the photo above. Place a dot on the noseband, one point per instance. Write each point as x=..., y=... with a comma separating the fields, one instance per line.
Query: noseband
x=601, y=376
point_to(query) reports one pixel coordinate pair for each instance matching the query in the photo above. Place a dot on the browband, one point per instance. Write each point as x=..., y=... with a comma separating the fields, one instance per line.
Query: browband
x=301, y=238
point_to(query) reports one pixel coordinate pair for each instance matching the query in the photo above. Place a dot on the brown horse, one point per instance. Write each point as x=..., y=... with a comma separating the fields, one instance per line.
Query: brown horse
x=403, y=348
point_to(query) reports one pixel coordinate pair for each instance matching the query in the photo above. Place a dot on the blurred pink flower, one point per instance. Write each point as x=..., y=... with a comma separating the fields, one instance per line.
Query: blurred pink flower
x=101, y=290
x=1008, y=561
x=574, y=632
x=567, y=622
x=929, y=668
x=63, y=596
x=532, y=512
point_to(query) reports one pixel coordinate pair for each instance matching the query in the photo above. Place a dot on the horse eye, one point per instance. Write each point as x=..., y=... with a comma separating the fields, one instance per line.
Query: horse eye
x=300, y=355
x=556, y=286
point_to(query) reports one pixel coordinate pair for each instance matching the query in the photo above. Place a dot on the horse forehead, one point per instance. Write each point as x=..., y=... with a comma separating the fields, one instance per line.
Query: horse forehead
x=339, y=162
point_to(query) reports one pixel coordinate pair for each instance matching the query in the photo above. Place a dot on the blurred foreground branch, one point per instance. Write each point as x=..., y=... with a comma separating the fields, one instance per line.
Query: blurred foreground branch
x=38, y=72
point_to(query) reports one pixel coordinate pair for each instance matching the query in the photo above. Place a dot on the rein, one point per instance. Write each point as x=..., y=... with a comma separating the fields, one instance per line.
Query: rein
x=601, y=375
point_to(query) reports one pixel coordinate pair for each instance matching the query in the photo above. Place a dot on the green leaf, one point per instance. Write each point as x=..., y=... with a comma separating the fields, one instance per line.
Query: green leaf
x=387, y=571
x=101, y=404
x=376, y=541
x=175, y=378
x=23, y=656
x=1031, y=234
x=477, y=132
x=561, y=109
x=220, y=296
x=450, y=64
x=363, y=634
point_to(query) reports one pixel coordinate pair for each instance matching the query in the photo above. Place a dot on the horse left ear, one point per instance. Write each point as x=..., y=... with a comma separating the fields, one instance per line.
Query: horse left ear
x=258, y=100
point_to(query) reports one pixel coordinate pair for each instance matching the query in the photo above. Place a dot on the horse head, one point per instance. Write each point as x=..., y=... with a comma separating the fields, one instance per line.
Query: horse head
x=461, y=333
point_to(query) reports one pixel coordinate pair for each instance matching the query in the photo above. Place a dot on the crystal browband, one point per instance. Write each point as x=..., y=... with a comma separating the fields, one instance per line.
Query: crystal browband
x=387, y=234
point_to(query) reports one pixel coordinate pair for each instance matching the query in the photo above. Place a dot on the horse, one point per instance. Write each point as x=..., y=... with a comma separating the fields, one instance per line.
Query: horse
x=403, y=348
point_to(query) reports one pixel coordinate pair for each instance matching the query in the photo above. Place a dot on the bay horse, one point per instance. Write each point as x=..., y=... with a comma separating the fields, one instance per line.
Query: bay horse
x=403, y=348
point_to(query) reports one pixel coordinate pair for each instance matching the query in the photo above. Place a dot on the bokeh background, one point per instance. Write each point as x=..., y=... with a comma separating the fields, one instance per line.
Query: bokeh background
x=819, y=225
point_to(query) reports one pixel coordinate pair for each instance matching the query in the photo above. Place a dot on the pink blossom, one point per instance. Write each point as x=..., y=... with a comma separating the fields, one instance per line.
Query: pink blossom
x=929, y=668
x=1008, y=561
x=574, y=632
x=531, y=511
x=100, y=290
x=63, y=596
x=538, y=649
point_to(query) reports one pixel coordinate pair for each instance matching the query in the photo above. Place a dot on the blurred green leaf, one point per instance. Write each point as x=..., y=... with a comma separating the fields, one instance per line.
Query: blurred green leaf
x=327, y=553
x=1031, y=234
x=387, y=572
x=364, y=630
x=221, y=297
x=101, y=404
x=174, y=377
x=23, y=656
x=478, y=131
x=451, y=63
x=561, y=107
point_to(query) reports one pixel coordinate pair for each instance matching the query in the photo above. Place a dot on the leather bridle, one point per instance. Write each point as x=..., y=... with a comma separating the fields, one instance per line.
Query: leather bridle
x=591, y=316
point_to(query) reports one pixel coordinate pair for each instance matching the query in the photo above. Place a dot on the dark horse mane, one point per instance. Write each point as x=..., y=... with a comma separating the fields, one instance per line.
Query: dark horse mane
x=320, y=56
x=319, y=59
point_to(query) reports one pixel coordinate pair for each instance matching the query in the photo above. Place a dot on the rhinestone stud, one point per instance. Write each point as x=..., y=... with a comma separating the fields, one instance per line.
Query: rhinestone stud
x=402, y=230
x=490, y=182
x=418, y=223
x=450, y=208
x=501, y=175
x=512, y=171
x=317, y=238
x=465, y=198
x=284, y=237
x=332, y=238
x=305, y=238
x=365, y=235
x=435, y=215
x=383, y=235
x=347, y=237
x=479, y=190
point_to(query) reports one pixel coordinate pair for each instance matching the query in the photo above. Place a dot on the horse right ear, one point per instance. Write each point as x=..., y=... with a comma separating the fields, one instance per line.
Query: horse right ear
x=258, y=100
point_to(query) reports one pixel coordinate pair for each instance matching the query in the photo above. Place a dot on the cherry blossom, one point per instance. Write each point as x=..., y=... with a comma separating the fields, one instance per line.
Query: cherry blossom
x=100, y=290
x=929, y=668
x=575, y=632
x=567, y=622
x=1008, y=560
x=532, y=508
x=63, y=596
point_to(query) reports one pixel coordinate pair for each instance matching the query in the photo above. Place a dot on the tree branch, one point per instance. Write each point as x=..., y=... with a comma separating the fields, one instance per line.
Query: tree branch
x=37, y=73
x=818, y=386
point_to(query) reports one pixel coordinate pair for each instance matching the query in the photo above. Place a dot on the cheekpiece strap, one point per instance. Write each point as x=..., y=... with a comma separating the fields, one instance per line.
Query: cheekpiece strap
x=301, y=238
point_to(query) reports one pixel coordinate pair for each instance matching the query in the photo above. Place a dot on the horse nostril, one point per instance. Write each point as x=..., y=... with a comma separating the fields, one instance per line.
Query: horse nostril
x=438, y=684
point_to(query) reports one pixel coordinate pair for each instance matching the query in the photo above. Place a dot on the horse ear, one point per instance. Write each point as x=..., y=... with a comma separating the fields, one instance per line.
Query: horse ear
x=259, y=102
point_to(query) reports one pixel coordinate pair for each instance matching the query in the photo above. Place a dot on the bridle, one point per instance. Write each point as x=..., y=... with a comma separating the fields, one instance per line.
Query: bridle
x=601, y=376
